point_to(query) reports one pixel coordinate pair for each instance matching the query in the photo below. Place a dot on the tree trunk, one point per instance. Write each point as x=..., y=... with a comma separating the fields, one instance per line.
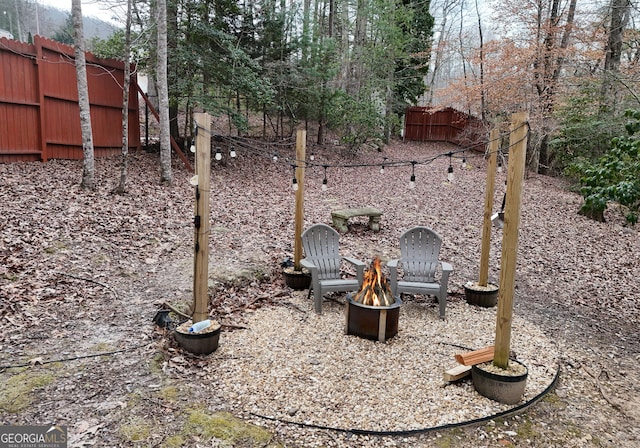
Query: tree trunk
x=483, y=93
x=163, y=95
x=546, y=88
x=172, y=67
x=88, y=165
x=619, y=18
x=355, y=77
x=122, y=185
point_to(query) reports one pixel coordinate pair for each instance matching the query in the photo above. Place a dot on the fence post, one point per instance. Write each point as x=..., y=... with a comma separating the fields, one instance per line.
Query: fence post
x=201, y=220
x=515, y=178
x=301, y=147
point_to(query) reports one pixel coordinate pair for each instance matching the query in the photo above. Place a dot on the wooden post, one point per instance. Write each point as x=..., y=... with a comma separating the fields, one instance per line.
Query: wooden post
x=301, y=148
x=515, y=178
x=201, y=220
x=494, y=146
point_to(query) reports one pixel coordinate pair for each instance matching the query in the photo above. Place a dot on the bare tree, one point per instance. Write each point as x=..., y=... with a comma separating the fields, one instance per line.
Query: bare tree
x=125, y=103
x=619, y=11
x=88, y=165
x=446, y=9
x=163, y=95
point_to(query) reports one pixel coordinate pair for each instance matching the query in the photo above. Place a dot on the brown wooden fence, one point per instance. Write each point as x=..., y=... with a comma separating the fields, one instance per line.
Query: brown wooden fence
x=39, y=112
x=444, y=125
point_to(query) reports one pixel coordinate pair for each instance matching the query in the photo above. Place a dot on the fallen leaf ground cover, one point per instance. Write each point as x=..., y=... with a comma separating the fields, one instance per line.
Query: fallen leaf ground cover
x=83, y=273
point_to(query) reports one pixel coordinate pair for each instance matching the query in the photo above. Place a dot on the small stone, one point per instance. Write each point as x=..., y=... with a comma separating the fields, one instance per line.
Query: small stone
x=292, y=411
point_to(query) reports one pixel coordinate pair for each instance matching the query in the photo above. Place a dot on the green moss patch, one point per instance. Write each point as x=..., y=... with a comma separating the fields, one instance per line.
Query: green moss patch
x=136, y=430
x=224, y=426
x=17, y=391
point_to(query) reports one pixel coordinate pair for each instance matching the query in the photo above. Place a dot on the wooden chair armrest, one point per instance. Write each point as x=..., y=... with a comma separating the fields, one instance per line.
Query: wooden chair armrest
x=359, y=265
x=308, y=264
x=446, y=267
x=393, y=275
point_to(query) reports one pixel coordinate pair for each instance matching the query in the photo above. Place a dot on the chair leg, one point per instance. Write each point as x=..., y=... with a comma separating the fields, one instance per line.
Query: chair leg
x=442, y=302
x=317, y=298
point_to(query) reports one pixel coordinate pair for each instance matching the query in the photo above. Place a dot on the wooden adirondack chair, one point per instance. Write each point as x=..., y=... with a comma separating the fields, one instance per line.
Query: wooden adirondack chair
x=419, y=252
x=322, y=257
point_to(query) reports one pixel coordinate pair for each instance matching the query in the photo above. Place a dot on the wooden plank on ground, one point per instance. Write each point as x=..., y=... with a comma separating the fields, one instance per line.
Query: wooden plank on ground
x=476, y=356
x=457, y=373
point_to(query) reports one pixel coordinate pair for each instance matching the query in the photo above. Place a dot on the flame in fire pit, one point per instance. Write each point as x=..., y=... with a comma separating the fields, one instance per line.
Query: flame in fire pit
x=375, y=288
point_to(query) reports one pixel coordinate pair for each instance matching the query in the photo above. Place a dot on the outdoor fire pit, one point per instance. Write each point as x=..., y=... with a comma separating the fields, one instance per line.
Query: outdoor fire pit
x=372, y=312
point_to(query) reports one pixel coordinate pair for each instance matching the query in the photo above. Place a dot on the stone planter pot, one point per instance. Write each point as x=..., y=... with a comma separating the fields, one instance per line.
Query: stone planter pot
x=505, y=387
x=484, y=296
x=297, y=280
x=372, y=322
x=201, y=343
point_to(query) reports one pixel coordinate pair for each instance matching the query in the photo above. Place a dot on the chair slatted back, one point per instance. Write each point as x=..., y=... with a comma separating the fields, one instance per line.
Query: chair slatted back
x=321, y=245
x=419, y=251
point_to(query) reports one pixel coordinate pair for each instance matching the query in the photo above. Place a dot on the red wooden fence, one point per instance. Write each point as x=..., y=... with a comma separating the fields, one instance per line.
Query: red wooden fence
x=39, y=112
x=444, y=125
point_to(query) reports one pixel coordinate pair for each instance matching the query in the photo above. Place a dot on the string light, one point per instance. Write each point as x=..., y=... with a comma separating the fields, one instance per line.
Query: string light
x=412, y=182
x=269, y=151
x=218, y=153
x=295, y=181
x=382, y=166
x=232, y=152
x=193, y=142
x=325, y=187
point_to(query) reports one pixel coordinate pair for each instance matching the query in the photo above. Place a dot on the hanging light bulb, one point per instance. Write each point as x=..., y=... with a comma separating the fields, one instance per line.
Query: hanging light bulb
x=312, y=157
x=382, y=166
x=499, y=165
x=450, y=169
x=232, y=152
x=275, y=157
x=412, y=181
x=325, y=187
x=294, y=185
x=218, y=153
x=193, y=148
x=464, y=161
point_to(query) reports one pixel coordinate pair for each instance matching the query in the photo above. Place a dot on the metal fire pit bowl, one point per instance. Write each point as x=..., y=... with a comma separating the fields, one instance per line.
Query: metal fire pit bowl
x=372, y=322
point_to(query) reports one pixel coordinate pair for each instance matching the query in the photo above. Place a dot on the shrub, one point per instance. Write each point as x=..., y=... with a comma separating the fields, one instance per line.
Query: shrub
x=615, y=176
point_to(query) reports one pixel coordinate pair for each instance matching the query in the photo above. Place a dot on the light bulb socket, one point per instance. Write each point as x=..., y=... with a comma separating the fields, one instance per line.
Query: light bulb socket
x=295, y=184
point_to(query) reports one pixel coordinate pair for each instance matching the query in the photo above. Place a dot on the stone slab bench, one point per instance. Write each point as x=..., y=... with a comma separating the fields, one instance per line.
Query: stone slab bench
x=340, y=217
